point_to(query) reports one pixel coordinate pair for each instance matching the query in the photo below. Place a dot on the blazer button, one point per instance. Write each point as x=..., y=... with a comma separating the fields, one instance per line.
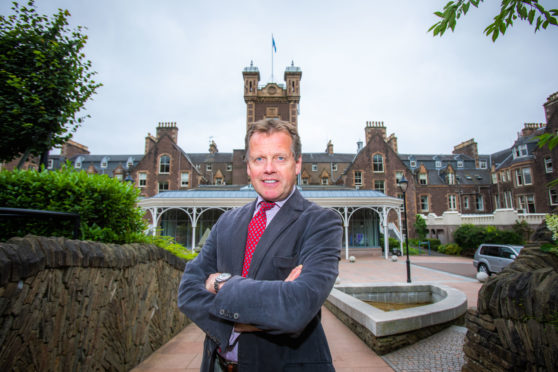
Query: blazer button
x=222, y=311
x=235, y=315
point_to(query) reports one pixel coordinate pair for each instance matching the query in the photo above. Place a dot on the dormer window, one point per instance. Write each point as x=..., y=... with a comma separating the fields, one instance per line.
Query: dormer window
x=104, y=162
x=413, y=163
x=314, y=167
x=423, y=179
x=460, y=164
x=438, y=164
x=520, y=151
x=78, y=162
x=483, y=164
x=130, y=162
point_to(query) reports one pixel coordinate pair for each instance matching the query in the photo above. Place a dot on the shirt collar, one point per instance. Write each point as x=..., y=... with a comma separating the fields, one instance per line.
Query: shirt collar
x=277, y=203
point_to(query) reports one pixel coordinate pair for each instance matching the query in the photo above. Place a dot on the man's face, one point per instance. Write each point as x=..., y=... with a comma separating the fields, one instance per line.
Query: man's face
x=271, y=165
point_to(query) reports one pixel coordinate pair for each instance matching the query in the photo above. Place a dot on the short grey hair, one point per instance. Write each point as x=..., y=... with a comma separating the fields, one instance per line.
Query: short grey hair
x=271, y=126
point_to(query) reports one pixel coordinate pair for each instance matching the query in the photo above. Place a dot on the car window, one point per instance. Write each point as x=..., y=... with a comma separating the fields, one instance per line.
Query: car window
x=490, y=250
x=507, y=252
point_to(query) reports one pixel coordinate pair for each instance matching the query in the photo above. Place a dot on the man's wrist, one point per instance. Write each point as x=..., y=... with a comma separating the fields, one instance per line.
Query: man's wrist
x=220, y=280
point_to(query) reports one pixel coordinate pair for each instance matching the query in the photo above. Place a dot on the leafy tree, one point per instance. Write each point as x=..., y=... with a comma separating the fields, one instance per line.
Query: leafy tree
x=420, y=227
x=510, y=11
x=45, y=81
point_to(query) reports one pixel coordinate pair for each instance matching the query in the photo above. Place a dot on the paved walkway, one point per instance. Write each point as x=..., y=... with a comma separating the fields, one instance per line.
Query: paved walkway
x=440, y=352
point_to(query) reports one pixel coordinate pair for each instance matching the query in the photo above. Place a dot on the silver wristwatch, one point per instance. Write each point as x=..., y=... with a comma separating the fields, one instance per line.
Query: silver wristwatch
x=221, y=278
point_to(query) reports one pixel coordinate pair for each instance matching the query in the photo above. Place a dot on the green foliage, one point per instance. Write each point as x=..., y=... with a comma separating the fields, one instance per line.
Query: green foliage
x=551, y=141
x=452, y=249
x=168, y=243
x=549, y=247
x=434, y=243
x=392, y=242
x=510, y=10
x=45, y=81
x=552, y=224
x=469, y=237
x=522, y=229
x=107, y=206
x=420, y=227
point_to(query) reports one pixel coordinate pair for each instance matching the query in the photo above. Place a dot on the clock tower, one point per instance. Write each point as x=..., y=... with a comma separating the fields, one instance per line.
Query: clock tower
x=272, y=100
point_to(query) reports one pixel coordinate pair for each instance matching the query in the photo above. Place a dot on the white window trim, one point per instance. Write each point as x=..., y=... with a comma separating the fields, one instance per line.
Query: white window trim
x=182, y=179
x=548, y=169
x=142, y=176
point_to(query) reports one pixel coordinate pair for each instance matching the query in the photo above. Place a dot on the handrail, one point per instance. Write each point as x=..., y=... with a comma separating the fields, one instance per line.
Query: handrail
x=36, y=212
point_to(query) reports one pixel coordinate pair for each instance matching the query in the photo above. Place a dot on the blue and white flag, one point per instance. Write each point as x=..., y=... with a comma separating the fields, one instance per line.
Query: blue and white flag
x=273, y=44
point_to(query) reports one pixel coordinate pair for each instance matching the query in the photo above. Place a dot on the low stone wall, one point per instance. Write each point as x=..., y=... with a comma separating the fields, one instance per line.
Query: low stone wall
x=83, y=306
x=516, y=325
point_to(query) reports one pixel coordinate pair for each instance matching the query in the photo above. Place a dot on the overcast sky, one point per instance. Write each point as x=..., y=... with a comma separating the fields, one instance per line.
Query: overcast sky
x=361, y=61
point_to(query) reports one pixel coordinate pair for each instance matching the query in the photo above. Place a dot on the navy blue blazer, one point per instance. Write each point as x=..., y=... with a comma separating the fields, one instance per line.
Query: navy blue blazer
x=288, y=313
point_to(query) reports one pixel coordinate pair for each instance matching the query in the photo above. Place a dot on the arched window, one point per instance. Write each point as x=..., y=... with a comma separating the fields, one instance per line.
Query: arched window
x=378, y=162
x=164, y=164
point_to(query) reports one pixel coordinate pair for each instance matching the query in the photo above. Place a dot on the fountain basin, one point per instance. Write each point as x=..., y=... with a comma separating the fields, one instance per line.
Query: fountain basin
x=388, y=331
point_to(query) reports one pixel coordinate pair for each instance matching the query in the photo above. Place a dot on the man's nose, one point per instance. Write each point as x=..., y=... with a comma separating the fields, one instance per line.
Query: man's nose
x=269, y=166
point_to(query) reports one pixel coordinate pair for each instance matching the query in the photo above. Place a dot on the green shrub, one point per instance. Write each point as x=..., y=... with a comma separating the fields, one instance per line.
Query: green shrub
x=434, y=244
x=469, y=237
x=452, y=249
x=392, y=242
x=552, y=224
x=414, y=242
x=420, y=227
x=107, y=207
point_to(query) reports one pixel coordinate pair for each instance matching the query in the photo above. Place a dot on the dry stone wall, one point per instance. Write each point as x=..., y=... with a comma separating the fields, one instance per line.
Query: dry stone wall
x=69, y=305
x=515, y=327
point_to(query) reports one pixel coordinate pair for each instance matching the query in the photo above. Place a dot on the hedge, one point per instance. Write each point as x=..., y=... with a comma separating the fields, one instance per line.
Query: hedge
x=107, y=206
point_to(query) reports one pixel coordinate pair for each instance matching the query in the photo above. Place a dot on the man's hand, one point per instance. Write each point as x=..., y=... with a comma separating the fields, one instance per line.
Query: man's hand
x=294, y=274
x=241, y=327
x=210, y=283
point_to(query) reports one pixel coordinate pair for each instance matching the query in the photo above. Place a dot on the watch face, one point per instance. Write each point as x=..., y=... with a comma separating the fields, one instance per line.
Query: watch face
x=223, y=277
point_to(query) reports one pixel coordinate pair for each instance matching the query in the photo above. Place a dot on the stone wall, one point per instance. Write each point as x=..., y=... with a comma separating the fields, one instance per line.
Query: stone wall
x=82, y=306
x=515, y=327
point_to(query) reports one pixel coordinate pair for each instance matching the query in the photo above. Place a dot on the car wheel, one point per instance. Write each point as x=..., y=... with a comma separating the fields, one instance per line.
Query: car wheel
x=483, y=269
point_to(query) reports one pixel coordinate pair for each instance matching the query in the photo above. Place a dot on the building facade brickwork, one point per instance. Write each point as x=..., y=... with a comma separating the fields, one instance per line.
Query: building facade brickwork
x=463, y=181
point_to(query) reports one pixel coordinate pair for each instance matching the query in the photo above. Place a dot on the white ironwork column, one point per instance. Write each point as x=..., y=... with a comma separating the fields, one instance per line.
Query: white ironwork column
x=386, y=232
x=346, y=225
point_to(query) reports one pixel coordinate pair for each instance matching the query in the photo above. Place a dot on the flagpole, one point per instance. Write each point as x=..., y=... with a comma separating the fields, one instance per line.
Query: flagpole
x=272, y=58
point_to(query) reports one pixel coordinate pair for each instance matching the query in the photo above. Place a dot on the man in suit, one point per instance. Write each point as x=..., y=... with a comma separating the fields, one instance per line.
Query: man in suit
x=258, y=299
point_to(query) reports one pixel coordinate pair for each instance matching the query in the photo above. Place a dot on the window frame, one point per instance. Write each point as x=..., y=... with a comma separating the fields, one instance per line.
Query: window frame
x=359, y=183
x=452, y=202
x=424, y=199
x=548, y=168
x=187, y=174
x=380, y=185
x=378, y=163
x=163, y=166
x=142, y=176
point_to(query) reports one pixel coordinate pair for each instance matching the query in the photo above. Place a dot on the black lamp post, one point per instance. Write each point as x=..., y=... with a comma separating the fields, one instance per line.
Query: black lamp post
x=403, y=183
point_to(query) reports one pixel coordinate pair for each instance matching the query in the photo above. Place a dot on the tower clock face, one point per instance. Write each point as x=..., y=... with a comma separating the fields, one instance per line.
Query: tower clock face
x=271, y=90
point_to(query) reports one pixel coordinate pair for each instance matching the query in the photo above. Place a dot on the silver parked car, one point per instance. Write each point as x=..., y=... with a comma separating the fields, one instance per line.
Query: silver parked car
x=492, y=258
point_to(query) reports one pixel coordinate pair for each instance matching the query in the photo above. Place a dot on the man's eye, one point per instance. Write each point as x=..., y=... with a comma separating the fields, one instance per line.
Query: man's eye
x=281, y=158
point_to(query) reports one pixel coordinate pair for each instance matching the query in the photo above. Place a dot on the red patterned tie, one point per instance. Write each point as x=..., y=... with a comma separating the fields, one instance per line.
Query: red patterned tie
x=255, y=231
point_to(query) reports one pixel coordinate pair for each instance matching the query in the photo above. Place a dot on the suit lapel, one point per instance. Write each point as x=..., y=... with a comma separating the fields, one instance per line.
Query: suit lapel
x=237, y=243
x=287, y=215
